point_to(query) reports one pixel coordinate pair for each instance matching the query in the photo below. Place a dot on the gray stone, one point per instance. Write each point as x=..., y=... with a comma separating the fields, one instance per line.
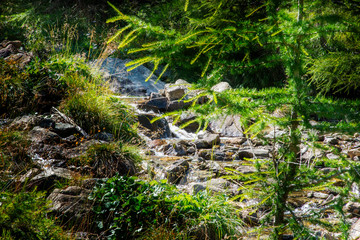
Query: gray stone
x=331, y=140
x=207, y=140
x=221, y=87
x=354, y=233
x=159, y=104
x=177, y=105
x=192, y=127
x=177, y=171
x=252, y=153
x=159, y=128
x=43, y=135
x=174, y=92
x=228, y=126
x=25, y=123
x=65, y=129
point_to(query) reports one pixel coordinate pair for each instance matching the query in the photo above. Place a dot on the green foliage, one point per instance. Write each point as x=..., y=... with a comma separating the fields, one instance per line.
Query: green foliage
x=106, y=159
x=27, y=91
x=127, y=208
x=23, y=216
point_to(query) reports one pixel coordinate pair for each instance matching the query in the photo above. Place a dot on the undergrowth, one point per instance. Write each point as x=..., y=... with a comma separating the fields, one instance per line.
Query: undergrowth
x=129, y=208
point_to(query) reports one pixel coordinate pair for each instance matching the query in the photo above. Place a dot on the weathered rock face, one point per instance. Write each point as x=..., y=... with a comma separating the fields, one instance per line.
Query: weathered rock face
x=129, y=83
x=228, y=126
x=10, y=51
x=71, y=204
x=207, y=140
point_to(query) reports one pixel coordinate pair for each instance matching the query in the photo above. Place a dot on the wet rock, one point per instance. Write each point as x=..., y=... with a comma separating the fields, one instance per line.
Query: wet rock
x=177, y=171
x=207, y=140
x=228, y=126
x=174, y=92
x=158, y=104
x=252, y=153
x=65, y=129
x=128, y=82
x=43, y=135
x=70, y=204
x=353, y=208
x=159, y=128
x=221, y=87
x=104, y=136
x=192, y=127
x=176, y=149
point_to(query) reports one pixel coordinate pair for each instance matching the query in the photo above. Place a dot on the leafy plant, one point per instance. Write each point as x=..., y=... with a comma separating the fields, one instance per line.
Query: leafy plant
x=23, y=216
x=129, y=208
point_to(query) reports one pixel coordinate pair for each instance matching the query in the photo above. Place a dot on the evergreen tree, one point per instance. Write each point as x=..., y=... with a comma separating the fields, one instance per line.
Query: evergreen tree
x=227, y=40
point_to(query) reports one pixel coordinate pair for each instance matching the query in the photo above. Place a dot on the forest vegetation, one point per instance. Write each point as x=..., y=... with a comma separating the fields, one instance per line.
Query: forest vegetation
x=300, y=58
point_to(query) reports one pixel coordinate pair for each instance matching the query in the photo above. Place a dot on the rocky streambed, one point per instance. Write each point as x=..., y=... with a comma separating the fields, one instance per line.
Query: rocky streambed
x=191, y=160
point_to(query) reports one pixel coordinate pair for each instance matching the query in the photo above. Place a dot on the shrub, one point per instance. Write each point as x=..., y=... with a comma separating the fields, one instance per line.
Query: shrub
x=129, y=208
x=23, y=216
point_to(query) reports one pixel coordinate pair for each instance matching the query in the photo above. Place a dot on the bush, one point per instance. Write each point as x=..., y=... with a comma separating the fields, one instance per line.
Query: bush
x=127, y=208
x=23, y=216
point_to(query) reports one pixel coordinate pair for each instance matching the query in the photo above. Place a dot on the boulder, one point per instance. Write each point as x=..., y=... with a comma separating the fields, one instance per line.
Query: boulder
x=25, y=123
x=65, y=129
x=177, y=171
x=158, y=129
x=228, y=126
x=174, y=92
x=158, y=104
x=221, y=87
x=70, y=204
x=207, y=140
x=43, y=135
x=252, y=153
x=192, y=127
x=177, y=105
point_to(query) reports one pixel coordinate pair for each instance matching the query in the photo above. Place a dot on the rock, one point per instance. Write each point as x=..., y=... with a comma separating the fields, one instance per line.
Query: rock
x=352, y=208
x=252, y=153
x=7, y=51
x=352, y=153
x=46, y=179
x=70, y=204
x=177, y=171
x=104, y=136
x=332, y=156
x=128, y=82
x=228, y=126
x=331, y=140
x=65, y=129
x=159, y=104
x=21, y=59
x=182, y=82
x=175, y=150
x=320, y=195
x=16, y=44
x=354, y=233
x=43, y=135
x=159, y=128
x=174, y=92
x=25, y=123
x=215, y=185
x=47, y=123
x=177, y=105
x=207, y=140
x=192, y=127
x=221, y=87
